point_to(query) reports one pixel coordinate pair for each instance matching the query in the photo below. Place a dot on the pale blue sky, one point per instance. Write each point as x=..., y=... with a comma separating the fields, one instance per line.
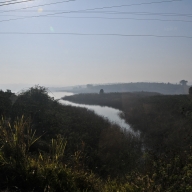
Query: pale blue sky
x=70, y=60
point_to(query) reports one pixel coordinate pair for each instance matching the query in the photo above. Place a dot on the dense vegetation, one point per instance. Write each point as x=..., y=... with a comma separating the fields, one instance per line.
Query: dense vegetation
x=35, y=132
x=164, y=121
x=45, y=146
x=115, y=100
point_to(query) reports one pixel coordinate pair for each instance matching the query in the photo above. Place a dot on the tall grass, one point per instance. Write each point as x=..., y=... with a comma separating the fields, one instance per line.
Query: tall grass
x=21, y=170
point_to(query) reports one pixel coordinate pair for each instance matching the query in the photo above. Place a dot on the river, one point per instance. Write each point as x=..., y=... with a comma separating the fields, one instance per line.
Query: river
x=108, y=113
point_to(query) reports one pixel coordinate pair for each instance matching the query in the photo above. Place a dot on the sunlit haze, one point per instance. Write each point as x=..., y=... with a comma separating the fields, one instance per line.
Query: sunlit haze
x=87, y=41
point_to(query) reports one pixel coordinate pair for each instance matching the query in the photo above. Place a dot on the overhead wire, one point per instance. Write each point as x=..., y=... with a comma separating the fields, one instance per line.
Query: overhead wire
x=97, y=34
x=3, y=2
x=112, y=18
x=117, y=12
x=90, y=9
x=145, y=3
x=11, y=3
x=34, y=6
x=116, y=18
x=107, y=7
x=140, y=13
x=89, y=34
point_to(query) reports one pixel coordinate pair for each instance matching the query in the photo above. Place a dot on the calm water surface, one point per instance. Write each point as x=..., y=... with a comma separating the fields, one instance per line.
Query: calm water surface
x=107, y=112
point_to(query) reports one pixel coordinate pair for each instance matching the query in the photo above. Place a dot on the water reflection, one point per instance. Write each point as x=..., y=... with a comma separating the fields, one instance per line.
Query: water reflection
x=107, y=112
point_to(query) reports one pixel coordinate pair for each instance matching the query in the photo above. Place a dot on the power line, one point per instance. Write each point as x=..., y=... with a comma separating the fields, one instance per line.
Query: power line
x=116, y=12
x=15, y=3
x=116, y=6
x=117, y=18
x=97, y=34
x=7, y=1
x=23, y=8
x=142, y=13
x=139, y=19
x=91, y=9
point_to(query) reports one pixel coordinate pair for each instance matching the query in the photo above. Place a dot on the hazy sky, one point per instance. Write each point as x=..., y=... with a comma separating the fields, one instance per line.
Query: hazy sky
x=73, y=59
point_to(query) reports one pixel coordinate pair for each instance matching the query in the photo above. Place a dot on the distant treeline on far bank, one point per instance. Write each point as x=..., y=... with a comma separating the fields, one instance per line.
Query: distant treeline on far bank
x=163, y=88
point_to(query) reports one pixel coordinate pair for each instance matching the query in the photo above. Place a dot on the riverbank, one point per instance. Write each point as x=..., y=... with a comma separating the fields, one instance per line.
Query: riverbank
x=115, y=100
x=162, y=120
x=109, y=113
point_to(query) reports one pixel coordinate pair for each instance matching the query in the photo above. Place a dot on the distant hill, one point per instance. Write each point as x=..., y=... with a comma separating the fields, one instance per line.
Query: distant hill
x=163, y=88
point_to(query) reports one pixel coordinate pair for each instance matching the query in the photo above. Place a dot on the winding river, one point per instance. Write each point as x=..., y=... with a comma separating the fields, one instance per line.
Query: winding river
x=109, y=113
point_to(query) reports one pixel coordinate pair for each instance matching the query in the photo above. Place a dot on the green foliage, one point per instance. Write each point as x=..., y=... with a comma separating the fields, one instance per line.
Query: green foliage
x=23, y=171
x=78, y=126
x=64, y=148
x=164, y=174
x=19, y=169
x=165, y=126
x=17, y=139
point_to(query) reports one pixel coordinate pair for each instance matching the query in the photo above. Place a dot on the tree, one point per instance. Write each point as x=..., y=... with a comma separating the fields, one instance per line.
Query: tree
x=183, y=82
x=101, y=91
x=190, y=91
